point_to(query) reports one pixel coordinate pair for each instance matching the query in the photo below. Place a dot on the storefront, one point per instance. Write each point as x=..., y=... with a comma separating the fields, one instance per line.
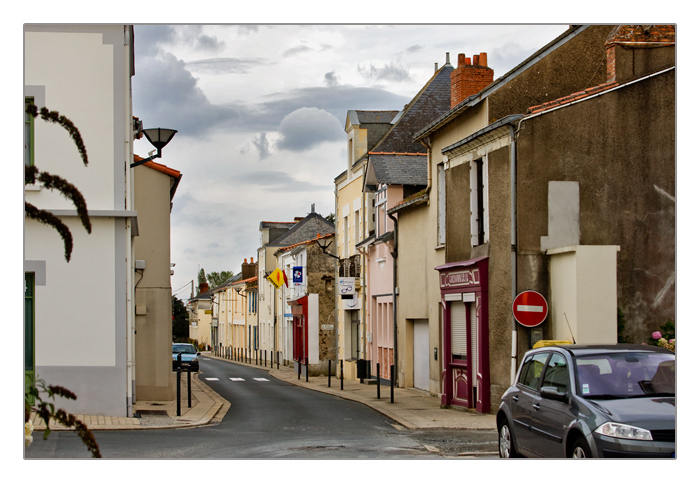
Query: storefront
x=464, y=297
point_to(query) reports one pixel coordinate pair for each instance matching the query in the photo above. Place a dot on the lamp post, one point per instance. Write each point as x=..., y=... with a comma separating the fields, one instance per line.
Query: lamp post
x=159, y=138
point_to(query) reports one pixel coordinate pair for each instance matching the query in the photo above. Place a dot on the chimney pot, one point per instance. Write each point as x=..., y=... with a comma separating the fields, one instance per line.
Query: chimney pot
x=447, y=57
x=482, y=60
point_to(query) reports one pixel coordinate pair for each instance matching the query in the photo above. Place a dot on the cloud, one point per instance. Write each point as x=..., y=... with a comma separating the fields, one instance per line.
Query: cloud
x=389, y=72
x=299, y=49
x=262, y=145
x=224, y=65
x=331, y=79
x=308, y=127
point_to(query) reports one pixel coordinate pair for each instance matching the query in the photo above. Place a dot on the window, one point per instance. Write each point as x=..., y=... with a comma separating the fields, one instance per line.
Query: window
x=28, y=134
x=557, y=374
x=479, y=202
x=532, y=370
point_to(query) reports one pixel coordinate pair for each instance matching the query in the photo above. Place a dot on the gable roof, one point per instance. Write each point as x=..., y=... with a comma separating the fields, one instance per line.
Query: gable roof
x=471, y=101
x=307, y=229
x=396, y=169
x=429, y=103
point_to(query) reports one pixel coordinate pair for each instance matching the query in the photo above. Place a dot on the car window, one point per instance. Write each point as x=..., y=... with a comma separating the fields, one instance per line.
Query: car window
x=626, y=374
x=530, y=375
x=557, y=373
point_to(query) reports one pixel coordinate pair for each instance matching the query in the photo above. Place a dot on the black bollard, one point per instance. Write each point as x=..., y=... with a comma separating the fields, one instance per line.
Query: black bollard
x=299, y=370
x=392, y=383
x=379, y=381
x=341, y=375
x=278, y=360
x=329, y=373
x=307, y=369
x=179, y=373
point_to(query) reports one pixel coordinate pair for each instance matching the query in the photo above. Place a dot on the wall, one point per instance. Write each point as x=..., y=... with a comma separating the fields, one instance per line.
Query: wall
x=82, y=311
x=153, y=298
x=620, y=147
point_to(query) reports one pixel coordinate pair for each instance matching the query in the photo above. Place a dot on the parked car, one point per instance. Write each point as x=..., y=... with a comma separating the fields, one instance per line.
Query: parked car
x=583, y=401
x=189, y=356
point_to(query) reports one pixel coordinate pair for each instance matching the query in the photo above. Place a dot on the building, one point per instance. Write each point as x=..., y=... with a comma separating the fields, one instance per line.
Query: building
x=556, y=199
x=87, y=347
x=199, y=309
x=397, y=171
x=309, y=299
x=354, y=218
x=154, y=188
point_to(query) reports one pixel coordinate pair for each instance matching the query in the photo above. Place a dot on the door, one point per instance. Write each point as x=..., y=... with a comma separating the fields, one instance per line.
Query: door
x=523, y=401
x=459, y=366
x=421, y=355
x=552, y=417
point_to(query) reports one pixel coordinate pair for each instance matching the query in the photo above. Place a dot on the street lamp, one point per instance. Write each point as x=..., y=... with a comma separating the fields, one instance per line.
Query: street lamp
x=159, y=138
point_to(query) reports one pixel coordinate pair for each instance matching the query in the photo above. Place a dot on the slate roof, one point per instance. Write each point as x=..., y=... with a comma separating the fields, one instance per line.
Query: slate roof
x=431, y=102
x=397, y=169
x=304, y=230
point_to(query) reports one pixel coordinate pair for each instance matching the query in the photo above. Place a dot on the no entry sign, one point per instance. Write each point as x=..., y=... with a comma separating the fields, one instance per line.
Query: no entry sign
x=530, y=308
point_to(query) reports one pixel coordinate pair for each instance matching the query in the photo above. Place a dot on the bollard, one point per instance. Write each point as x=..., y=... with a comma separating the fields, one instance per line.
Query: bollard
x=329, y=373
x=179, y=372
x=379, y=381
x=189, y=387
x=299, y=369
x=278, y=360
x=341, y=375
x=307, y=369
x=391, y=368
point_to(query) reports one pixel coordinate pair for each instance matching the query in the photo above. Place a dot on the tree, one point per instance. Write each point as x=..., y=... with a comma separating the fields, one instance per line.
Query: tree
x=39, y=396
x=217, y=278
x=181, y=329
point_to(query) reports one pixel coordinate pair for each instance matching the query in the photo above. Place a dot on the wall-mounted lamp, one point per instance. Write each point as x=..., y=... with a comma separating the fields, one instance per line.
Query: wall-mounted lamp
x=159, y=138
x=325, y=247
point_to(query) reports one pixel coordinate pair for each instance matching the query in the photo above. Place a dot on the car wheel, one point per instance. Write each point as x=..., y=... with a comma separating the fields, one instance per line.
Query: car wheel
x=580, y=449
x=506, y=446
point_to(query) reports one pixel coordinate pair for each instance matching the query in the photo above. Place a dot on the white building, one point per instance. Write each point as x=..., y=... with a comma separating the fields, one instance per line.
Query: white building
x=79, y=322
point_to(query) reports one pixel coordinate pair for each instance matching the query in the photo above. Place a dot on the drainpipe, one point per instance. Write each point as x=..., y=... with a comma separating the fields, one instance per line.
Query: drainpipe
x=394, y=255
x=513, y=250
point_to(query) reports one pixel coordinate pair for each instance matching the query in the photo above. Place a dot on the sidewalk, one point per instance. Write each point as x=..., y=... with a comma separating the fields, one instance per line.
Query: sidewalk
x=412, y=408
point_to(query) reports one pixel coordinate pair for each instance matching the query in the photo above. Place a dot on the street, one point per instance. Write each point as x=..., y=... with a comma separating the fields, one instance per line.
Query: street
x=270, y=419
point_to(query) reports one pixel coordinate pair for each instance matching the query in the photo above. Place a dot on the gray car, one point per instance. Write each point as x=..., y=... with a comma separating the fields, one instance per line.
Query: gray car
x=614, y=401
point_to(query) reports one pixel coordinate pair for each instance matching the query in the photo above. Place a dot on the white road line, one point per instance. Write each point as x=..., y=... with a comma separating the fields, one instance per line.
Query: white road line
x=260, y=379
x=236, y=379
x=211, y=378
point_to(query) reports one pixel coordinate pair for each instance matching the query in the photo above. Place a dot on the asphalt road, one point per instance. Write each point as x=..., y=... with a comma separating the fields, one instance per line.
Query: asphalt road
x=270, y=419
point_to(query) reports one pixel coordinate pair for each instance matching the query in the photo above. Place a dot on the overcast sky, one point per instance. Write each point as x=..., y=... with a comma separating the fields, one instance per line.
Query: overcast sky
x=260, y=112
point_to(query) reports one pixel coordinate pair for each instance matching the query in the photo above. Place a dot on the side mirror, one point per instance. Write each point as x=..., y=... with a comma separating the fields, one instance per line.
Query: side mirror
x=550, y=392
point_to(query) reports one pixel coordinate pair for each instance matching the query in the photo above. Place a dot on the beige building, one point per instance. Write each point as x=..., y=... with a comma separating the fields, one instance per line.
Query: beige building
x=354, y=220
x=154, y=189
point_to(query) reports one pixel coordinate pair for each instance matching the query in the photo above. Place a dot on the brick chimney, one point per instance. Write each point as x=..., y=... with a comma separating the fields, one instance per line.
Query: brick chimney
x=633, y=51
x=248, y=269
x=470, y=76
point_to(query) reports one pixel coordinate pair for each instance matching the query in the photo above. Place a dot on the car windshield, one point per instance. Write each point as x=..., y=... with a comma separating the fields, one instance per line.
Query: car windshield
x=185, y=349
x=626, y=374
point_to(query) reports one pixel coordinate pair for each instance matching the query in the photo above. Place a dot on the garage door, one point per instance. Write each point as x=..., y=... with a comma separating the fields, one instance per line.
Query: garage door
x=421, y=355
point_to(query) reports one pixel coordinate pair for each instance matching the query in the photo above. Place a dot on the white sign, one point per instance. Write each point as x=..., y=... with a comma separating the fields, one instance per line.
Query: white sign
x=346, y=286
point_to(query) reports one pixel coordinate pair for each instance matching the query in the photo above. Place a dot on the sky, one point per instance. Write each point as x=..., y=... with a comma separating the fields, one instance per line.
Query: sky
x=260, y=112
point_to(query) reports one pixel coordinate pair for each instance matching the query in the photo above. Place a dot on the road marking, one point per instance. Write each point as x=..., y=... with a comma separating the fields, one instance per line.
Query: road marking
x=211, y=378
x=260, y=379
x=236, y=379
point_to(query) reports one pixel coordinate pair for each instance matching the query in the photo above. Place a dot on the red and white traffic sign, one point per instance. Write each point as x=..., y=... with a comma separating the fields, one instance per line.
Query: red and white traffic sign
x=530, y=308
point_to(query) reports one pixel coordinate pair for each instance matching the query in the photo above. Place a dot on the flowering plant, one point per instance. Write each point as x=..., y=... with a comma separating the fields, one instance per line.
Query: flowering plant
x=666, y=337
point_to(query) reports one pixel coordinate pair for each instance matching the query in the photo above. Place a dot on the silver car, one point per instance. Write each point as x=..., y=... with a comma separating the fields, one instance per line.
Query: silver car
x=614, y=401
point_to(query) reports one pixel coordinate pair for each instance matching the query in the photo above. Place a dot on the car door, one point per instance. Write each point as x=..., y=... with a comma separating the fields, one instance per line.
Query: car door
x=522, y=401
x=551, y=417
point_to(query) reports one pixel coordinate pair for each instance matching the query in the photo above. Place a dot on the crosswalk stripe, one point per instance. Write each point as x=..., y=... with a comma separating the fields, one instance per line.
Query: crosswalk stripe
x=211, y=378
x=236, y=379
x=260, y=379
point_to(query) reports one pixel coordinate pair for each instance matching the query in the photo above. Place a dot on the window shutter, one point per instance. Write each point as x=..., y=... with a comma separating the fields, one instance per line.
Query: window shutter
x=458, y=321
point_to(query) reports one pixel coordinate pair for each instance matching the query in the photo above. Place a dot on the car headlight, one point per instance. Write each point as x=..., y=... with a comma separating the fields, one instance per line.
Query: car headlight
x=623, y=431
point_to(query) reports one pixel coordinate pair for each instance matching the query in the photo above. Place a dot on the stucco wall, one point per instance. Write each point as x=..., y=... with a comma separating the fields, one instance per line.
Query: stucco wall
x=620, y=147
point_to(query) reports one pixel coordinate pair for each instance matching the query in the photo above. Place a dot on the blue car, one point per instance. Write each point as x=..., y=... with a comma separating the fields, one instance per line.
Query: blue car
x=578, y=401
x=189, y=357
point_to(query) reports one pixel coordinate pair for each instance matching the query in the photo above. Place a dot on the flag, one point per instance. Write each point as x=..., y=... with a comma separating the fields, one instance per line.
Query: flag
x=277, y=278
